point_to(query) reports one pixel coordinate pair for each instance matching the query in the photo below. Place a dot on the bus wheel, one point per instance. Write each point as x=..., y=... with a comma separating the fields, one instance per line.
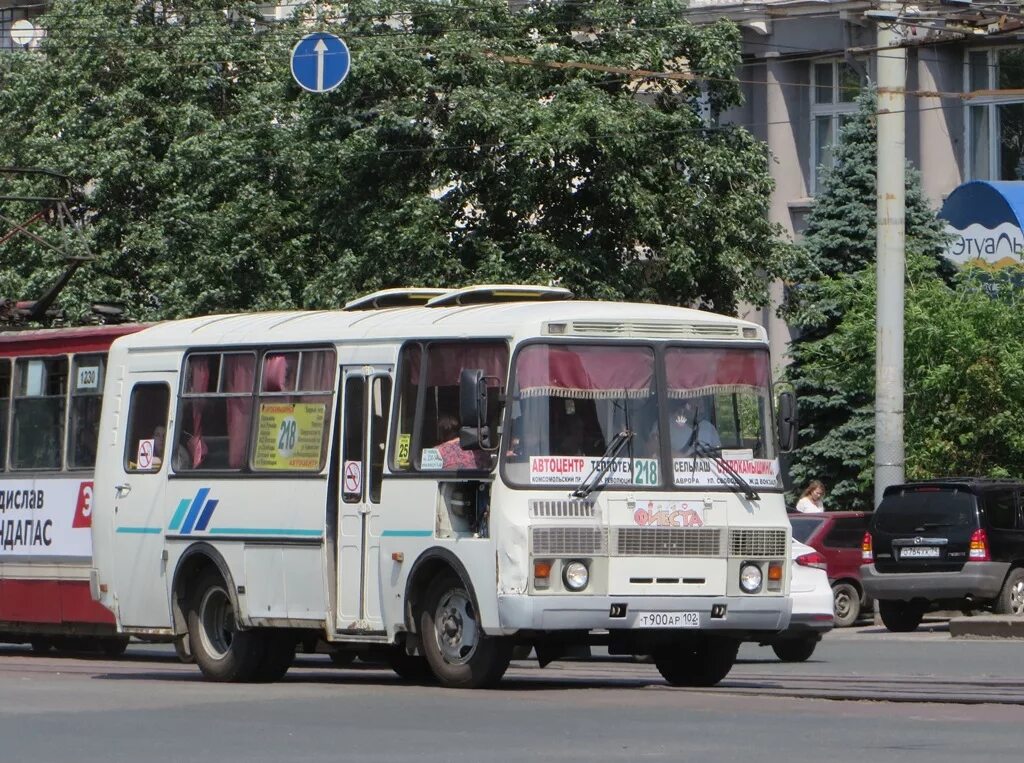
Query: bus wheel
x=460, y=654
x=41, y=644
x=222, y=652
x=112, y=646
x=703, y=663
x=278, y=656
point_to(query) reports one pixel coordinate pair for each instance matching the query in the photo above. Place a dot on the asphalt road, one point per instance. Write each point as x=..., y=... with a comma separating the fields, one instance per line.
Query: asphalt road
x=921, y=697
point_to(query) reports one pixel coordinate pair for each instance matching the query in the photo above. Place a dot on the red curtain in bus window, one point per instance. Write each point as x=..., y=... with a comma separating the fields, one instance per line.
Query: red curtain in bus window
x=198, y=381
x=705, y=371
x=239, y=375
x=583, y=371
x=279, y=372
x=446, y=361
x=317, y=371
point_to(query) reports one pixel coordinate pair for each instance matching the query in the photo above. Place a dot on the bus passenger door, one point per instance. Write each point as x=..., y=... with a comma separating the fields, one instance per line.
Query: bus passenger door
x=140, y=582
x=366, y=397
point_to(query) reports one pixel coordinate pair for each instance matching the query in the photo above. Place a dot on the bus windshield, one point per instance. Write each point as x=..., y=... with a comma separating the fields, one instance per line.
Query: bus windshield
x=570, y=401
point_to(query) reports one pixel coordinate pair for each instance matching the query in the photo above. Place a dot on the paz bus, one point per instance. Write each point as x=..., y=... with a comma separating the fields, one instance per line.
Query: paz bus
x=436, y=477
x=51, y=387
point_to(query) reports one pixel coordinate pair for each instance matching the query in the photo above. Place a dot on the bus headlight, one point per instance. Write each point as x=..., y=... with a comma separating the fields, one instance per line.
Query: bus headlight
x=750, y=577
x=575, y=575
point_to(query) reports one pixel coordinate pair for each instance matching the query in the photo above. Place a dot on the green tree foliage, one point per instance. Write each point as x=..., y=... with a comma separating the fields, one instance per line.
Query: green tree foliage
x=451, y=154
x=964, y=399
x=831, y=304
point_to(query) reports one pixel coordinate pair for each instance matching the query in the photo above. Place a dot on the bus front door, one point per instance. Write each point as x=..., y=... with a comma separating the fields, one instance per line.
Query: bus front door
x=140, y=569
x=366, y=396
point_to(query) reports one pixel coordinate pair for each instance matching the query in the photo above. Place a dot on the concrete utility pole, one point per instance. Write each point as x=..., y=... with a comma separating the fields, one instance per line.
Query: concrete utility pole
x=891, y=179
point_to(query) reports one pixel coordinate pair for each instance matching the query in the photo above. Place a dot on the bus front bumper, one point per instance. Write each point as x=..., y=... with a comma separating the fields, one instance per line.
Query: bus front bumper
x=582, y=612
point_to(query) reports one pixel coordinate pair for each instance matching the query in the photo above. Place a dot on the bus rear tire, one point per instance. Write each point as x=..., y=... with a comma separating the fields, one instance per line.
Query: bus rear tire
x=701, y=663
x=278, y=656
x=222, y=651
x=459, y=653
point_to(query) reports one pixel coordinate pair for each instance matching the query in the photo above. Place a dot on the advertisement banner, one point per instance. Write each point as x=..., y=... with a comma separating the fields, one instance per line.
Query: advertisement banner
x=45, y=518
x=571, y=470
x=706, y=472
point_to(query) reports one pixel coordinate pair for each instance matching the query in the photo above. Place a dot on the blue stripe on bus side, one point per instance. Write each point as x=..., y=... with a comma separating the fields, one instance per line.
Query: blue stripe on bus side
x=407, y=533
x=193, y=511
x=265, y=531
x=140, y=530
x=204, y=518
x=179, y=513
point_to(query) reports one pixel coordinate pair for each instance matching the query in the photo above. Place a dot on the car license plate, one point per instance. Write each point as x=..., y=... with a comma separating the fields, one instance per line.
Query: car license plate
x=919, y=552
x=667, y=620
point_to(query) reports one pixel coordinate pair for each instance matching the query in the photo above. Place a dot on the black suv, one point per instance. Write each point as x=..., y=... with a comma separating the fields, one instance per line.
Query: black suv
x=945, y=544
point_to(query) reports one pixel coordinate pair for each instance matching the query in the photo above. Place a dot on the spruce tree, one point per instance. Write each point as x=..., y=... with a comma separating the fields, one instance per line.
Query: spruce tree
x=837, y=406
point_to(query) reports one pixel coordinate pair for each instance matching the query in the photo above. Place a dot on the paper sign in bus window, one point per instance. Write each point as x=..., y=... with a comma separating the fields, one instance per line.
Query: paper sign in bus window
x=289, y=436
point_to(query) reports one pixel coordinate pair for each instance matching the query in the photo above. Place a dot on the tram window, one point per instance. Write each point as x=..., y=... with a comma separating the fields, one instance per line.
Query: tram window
x=5, y=404
x=216, y=410
x=147, y=429
x=86, y=396
x=37, y=430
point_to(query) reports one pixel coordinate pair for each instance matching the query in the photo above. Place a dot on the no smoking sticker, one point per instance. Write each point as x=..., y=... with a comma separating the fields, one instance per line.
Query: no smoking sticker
x=353, y=477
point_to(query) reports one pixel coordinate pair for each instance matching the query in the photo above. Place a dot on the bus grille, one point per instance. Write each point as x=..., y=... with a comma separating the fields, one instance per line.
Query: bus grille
x=757, y=543
x=565, y=541
x=563, y=509
x=669, y=541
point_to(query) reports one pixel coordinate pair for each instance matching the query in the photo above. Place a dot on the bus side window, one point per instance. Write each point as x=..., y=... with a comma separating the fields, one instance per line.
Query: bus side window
x=146, y=444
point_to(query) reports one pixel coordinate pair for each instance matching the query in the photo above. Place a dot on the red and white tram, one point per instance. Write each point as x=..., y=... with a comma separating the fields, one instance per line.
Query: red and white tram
x=51, y=388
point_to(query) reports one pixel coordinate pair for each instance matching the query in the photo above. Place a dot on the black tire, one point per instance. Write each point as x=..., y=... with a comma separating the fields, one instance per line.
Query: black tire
x=341, y=658
x=1011, y=597
x=278, y=655
x=40, y=644
x=221, y=650
x=900, y=616
x=112, y=646
x=795, y=649
x=845, y=604
x=413, y=668
x=700, y=663
x=459, y=653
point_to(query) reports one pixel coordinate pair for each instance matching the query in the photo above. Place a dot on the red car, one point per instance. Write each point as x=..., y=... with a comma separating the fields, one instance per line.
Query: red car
x=837, y=535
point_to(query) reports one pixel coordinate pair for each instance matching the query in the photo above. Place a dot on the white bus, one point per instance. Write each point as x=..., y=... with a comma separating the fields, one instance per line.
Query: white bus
x=437, y=477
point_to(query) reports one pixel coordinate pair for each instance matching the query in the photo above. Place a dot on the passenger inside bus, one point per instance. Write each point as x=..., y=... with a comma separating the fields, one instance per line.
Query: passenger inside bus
x=452, y=455
x=691, y=429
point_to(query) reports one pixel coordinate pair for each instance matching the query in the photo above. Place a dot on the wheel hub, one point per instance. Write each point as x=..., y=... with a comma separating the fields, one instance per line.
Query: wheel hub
x=456, y=629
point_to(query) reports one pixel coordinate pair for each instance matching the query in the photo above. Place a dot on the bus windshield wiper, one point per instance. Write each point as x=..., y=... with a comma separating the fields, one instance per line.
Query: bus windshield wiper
x=715, y=454
x=592, y=480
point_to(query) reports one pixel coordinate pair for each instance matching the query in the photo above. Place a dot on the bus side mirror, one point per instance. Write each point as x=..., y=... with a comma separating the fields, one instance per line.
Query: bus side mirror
x=787, y=421
x=474, y=434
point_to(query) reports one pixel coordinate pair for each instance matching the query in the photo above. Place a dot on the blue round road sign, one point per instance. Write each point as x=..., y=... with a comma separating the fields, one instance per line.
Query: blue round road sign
x=320, y=61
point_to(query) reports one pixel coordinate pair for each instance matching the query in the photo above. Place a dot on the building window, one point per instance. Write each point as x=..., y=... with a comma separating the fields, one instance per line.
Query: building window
x=835, y=86
x=994, y=123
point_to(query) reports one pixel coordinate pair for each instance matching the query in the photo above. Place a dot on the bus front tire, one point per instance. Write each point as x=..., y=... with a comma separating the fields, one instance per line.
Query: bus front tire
x=222, y=651
x=459, y=653
x=701, y=663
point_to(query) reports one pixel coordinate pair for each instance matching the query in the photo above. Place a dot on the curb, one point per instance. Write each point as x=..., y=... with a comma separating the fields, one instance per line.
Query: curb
x=987, y=626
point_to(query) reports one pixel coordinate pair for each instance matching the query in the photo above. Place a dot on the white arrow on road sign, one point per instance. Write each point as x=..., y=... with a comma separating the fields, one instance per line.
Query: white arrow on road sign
x=320, y=61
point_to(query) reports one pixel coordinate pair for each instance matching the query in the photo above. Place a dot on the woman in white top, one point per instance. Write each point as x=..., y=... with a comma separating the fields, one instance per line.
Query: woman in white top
x=811, y=502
